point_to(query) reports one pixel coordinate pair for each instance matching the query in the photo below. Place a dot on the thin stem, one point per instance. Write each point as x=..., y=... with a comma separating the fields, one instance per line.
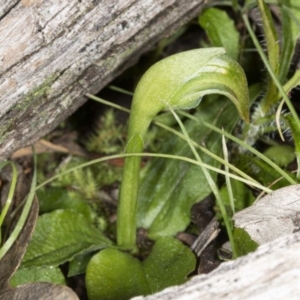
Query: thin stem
x=248, y=147
x=206, y=151
x=203, y=149
x=277, y=120
x=10, y=194
x=211, y=183
x=120, y=90
x=276, y=81
x=25, y=212
x=108, y=103
x=227, y=178
x=254, y=151
x=169, y=156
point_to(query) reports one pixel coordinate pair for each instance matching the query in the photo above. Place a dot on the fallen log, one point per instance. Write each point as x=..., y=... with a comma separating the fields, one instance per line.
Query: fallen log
x=54, y=52
x=271, y=272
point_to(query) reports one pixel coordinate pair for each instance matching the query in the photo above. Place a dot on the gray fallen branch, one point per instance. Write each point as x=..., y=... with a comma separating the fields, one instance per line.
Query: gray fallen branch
x=271, y=272
x=53, y=52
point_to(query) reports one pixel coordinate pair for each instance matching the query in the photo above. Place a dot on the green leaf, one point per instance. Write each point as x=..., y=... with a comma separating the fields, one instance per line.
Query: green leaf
x=169, y=188
x=220, y=30
x=115, y=275
x=282, y=155
x=241, y=193
x=54, y=198
x=263, y=172
x=11, y=193
x=243, y=242
x=112, y=274
x=38, y=274
x=59, y=236
x=169, y=263
x=294, y=127
x=293, y=11
x=79, y=263
x=292, y=83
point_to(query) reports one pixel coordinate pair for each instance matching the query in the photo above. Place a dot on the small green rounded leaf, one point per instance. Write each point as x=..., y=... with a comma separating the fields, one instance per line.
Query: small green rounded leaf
x=243, y=242
x=282, y=155
x=115, y=275
x=169, y=263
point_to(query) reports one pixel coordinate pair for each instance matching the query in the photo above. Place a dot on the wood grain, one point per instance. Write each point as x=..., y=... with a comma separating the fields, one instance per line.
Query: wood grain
x=53, y=52
x=271, y=272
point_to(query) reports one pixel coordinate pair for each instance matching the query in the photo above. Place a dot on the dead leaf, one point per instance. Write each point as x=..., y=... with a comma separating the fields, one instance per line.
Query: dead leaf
x=40, y=291
x=44, y=146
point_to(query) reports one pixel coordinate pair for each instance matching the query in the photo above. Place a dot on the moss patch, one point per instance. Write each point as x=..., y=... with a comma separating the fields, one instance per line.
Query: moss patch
x=11, y=119
x=38, y=92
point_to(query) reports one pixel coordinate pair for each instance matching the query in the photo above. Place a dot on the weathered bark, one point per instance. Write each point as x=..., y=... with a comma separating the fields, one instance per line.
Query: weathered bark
x=53, y=52
x=271, y=272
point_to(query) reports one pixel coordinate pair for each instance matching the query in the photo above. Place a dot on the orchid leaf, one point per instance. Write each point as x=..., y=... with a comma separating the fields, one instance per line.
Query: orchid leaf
x=61, y=235
x=60, y=198
x=116, y=275
x=38, y=274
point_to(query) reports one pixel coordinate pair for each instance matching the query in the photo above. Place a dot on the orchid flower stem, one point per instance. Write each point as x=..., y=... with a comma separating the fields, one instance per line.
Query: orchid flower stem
x=178, y=81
